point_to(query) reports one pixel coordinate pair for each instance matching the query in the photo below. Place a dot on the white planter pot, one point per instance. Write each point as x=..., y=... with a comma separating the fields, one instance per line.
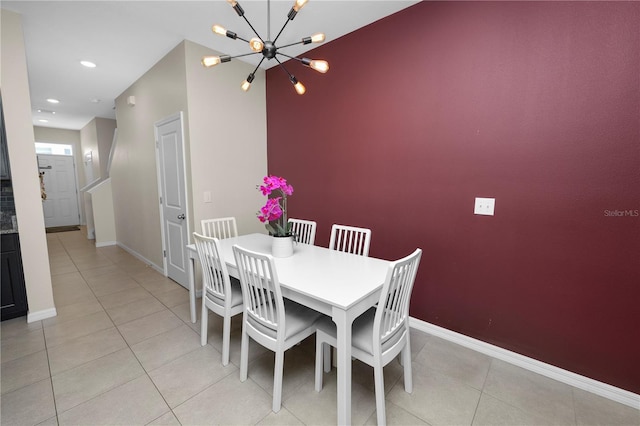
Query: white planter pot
x=282, y=246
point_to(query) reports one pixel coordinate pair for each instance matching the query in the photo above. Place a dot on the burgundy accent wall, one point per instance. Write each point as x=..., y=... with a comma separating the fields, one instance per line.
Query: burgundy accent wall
x=534, y=103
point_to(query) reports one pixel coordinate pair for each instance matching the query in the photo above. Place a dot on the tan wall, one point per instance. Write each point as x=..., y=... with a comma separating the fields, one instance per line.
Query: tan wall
x=228, y=140
x=159, y=93
x=225, y=146
x=26, y=186
x=104, y=131
x=89, y=143
x=51, y=135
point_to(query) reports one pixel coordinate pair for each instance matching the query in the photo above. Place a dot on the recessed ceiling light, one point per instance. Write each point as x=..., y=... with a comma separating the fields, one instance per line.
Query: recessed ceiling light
x=88, y=64
x=53, y=101
x=43, y=121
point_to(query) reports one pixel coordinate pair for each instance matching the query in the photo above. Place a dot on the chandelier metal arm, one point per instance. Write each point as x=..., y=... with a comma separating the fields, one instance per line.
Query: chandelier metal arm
x=280, y=32
x=253, y=29
x=240, y=38
x=284, y=68
x=290, y=44
x=290, y=57
x=246, y=54
x=258, y=66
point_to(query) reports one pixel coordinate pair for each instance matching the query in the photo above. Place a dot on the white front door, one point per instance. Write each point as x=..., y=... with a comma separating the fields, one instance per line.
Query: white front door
x=61, y=205
x=173, y=198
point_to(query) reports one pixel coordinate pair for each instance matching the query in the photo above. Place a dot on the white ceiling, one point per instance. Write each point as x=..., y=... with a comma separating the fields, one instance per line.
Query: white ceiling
x=126, y=38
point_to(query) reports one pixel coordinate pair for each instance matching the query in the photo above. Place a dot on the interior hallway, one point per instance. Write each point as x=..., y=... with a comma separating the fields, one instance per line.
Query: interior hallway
x=123, y=351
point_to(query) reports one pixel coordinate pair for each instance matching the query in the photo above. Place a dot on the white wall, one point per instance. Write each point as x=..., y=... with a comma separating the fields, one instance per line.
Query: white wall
x=16, y=103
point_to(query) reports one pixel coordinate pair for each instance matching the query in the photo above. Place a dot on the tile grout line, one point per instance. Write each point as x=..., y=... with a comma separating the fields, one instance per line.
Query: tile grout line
x=46, y=348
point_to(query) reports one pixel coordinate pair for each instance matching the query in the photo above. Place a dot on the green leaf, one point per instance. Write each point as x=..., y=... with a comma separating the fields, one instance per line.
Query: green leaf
x=270, y=228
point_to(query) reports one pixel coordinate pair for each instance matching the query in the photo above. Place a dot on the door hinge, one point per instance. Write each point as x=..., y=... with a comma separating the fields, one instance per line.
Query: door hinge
x=164, y=253
x=157, y=143
x=160, y=200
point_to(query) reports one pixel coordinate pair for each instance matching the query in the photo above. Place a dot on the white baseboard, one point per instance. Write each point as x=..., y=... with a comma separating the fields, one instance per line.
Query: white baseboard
x=41, y=315
x=106, y=243
x=581, y=382
x=141, y=258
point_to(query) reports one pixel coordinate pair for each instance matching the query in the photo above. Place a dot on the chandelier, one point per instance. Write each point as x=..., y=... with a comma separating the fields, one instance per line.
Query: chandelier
x=268, y=48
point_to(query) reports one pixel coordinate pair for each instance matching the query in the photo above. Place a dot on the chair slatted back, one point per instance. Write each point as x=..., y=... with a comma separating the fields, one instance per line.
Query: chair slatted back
x=350, y=239
x=260, y=289
x=392, y=312
x=221, y=228
x=214, y=269
x=304, y=230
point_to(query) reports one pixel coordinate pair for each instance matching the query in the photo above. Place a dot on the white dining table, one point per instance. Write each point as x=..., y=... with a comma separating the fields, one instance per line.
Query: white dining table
x=340, y=285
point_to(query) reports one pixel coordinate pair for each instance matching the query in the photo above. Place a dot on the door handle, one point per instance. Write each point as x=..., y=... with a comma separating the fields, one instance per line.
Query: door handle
x=181, y=216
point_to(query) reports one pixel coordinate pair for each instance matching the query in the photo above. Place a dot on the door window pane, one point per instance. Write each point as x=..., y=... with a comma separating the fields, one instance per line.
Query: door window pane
x=53, y=148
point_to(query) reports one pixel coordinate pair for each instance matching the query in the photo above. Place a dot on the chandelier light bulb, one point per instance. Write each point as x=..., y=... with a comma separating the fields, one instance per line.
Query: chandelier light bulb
x=300, y=88
x=299, y=4
x=219, y=29
x=297, y=85
x=256, y=44
x=318, y=38
x=320, y=66
x=211, y=61
x=246, y=85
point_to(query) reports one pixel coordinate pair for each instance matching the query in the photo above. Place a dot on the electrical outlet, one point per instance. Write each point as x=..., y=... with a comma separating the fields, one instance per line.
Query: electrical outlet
x=484, y=206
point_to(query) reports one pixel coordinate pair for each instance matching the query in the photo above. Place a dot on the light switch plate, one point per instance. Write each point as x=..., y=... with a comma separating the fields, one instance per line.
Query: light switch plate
x=484, y=206
x=207, y=196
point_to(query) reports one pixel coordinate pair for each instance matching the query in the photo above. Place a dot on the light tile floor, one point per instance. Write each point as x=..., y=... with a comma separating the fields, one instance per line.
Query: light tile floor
x=122, y=351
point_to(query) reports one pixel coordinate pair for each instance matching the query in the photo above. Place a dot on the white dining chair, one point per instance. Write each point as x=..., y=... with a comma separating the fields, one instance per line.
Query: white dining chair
x=220, y=293
x=305, y=230
x=350, y=239
x=274, y=322
x=381, y=333
x=221, y=228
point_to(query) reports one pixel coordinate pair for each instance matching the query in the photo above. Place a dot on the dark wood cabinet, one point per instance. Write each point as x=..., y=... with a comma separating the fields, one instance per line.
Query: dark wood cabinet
x=14, y=296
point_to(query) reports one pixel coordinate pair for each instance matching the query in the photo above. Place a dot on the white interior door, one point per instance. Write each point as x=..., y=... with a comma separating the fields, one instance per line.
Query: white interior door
x=61, y=206
x=173, y=199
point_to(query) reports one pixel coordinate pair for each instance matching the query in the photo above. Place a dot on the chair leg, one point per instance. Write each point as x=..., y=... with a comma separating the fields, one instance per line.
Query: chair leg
x=319, y=363
x=226, y=337
x=378, y=377
x=278, y=372
x=408, y=378
x=327, y=357
x=204, y=323
x=244, y=355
